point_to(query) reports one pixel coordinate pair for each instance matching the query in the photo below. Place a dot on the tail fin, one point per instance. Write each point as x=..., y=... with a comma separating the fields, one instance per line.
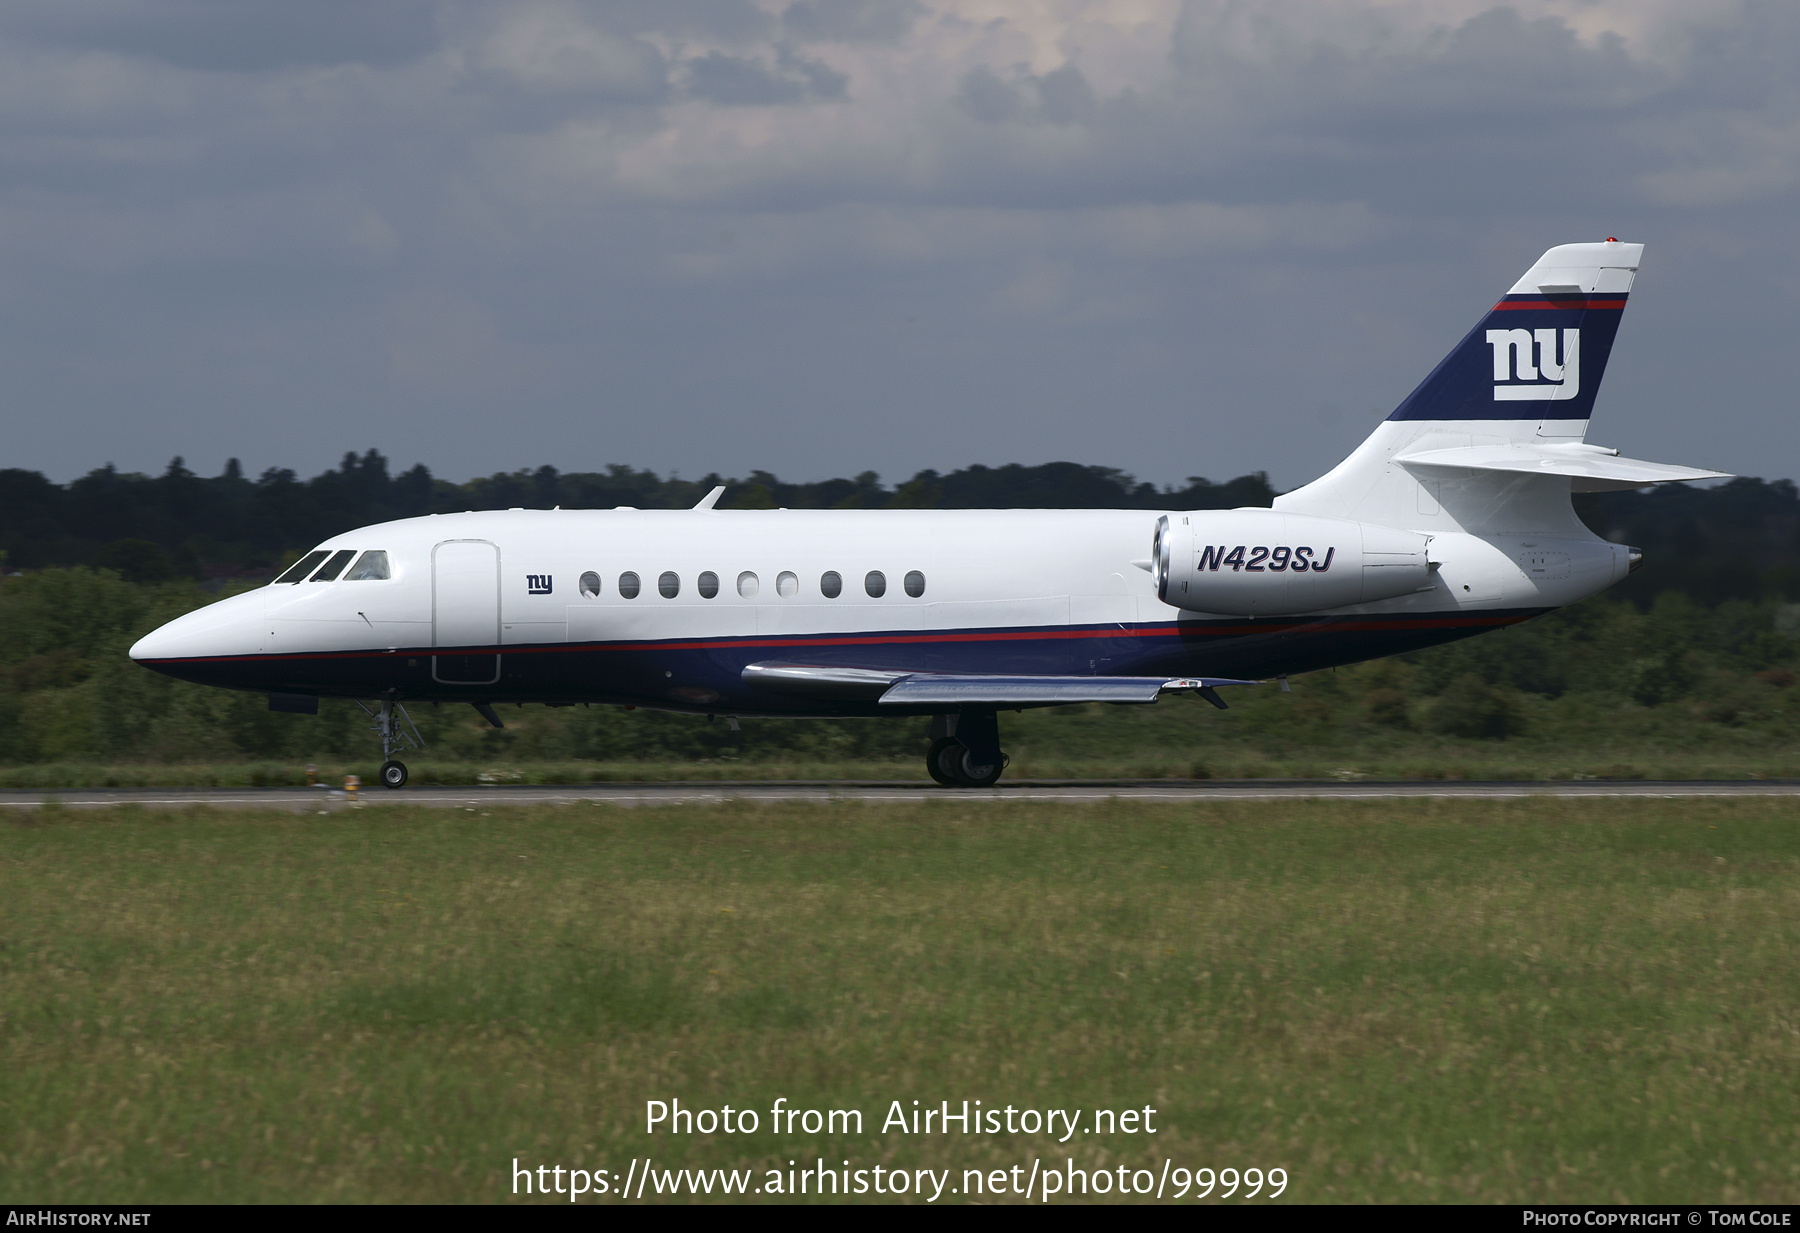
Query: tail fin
x=1539, y=354
x=1492, y=440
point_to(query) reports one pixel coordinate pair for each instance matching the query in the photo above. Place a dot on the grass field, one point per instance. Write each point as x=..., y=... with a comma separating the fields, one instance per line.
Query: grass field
x=1544, y=1000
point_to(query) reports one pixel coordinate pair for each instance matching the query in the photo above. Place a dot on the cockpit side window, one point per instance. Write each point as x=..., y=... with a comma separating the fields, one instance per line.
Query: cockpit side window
x=371, y=565
x=335, y=566
x=301, y=568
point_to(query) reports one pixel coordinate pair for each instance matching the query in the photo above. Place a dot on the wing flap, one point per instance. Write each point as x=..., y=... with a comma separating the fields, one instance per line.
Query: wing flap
x=997, y=690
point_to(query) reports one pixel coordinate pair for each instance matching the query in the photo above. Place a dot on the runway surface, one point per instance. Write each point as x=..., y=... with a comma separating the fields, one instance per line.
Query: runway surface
x=1068, y=792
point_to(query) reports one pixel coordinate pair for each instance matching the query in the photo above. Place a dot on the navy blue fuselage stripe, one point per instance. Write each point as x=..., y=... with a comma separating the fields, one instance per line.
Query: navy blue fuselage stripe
x=706, y=675
x=1462, y=386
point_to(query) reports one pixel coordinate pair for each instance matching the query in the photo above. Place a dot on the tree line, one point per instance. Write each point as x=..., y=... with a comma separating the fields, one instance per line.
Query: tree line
x=179, y=524
x=1738, y=540
x=1697, y=651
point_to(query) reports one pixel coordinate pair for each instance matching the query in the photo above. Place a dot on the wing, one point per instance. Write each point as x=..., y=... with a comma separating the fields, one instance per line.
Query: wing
x=935, y=688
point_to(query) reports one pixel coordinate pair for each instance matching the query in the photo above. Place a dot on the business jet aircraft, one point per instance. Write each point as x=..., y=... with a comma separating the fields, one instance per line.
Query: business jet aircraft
x=1453, y=518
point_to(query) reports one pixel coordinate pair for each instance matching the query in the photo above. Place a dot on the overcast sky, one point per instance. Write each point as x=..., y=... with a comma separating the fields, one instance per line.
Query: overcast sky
x=826, y=236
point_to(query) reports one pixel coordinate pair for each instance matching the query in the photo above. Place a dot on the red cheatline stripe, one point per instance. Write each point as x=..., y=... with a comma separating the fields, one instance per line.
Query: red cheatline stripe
x=1506, y=305
x=1029, y=635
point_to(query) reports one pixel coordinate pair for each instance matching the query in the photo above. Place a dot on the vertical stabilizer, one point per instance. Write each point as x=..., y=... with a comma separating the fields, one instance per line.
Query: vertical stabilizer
x=1539, y=354
x=1526, y=375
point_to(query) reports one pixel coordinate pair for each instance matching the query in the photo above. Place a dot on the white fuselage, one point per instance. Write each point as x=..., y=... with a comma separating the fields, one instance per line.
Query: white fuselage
x=1065, y=591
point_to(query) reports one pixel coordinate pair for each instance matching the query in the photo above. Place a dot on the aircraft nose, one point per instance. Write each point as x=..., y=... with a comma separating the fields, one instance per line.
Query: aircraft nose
x=230, y=627
x=153, y=645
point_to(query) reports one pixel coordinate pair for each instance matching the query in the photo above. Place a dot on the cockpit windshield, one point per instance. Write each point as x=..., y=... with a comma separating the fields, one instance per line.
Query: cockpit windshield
x=335, y=566
x=372, y=565
x=301, y=568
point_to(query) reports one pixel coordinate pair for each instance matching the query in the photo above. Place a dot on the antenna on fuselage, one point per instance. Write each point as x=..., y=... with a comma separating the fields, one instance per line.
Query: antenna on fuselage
x=711, y=499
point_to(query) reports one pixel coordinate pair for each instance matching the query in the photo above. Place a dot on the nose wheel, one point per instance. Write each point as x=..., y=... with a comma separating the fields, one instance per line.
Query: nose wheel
x=388, y=722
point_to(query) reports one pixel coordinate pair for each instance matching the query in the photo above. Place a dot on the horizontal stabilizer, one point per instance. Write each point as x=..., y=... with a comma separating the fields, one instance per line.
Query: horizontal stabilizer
x=930, y=688
x=1590, y=468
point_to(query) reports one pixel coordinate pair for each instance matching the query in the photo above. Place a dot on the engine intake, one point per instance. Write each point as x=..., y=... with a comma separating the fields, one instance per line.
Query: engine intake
x=1262, y=562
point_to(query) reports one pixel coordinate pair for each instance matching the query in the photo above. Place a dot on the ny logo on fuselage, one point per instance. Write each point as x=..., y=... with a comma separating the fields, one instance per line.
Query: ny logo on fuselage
x=537, y=584
x=1531, y=355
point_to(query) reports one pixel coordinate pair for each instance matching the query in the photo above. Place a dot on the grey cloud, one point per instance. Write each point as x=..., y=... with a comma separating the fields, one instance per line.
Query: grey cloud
x=743, y=81
x=240, y=37
x=1740, y=65
x=1061, y=96
x=1486, y=118
x=987, y=98
x=1065, y=96
x=852, y=20
x=598, y=68
x=737, y=21
x=506, y=248
x=822, y=81
x=1495, y=70
x=738, y=81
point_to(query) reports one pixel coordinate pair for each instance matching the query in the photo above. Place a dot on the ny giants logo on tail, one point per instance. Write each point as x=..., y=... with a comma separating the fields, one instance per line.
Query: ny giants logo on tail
x=1531, y=354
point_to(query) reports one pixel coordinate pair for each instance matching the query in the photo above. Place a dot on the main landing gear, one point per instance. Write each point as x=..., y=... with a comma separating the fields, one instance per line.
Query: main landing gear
x=387, y=726
x=951, y=764
x=965, y=750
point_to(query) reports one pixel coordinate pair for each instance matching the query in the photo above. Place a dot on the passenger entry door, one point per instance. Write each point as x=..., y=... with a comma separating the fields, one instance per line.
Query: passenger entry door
x=465, y=610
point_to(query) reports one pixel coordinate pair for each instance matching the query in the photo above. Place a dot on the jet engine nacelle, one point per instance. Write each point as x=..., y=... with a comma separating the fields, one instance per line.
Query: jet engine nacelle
x=1262, y=562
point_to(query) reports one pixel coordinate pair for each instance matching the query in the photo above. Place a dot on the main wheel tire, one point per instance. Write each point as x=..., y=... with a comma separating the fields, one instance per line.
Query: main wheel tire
x=939, y=760
x=393, y=774
x=969, y=775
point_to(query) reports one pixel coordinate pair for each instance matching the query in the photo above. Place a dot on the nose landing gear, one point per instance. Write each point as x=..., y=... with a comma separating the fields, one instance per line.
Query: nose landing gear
x=387, y=726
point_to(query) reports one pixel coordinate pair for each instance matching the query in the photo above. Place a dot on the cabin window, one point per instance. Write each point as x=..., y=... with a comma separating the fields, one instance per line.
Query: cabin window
x=831, y=584
x=707, y=584
x=590, y=584
x=301, y=568
x=628, y=586
x=335, y=566
x=669, y=584
x=915, y=583
x=747, y=585
x=786, y=585
x=875, y=583
x=370, y=567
